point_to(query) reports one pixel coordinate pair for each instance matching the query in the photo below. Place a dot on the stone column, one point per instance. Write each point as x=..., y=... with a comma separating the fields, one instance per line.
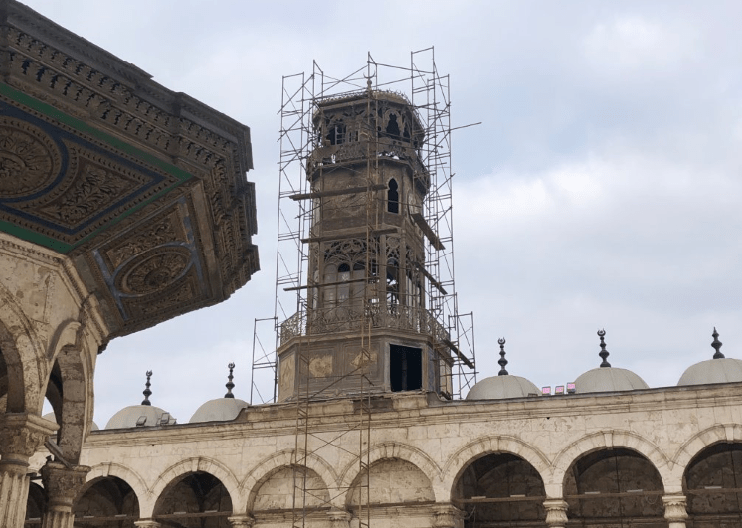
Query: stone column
x=241, y=521
x=21, y=435
x=339, y=518
x=62, y=484
x=447, y=516
x=149, y=523
x=675, y=513
x=556, y=513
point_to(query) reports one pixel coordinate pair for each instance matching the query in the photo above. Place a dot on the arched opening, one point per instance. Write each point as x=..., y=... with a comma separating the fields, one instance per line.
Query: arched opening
x=614, y=487
x=107, y=502
x=391, y=482
x=335, y=133
x=36, y=503
x=713, y=486
x=3, y=383
x=500, y=489
x=287, y=488
x=55, y=395
x=13, y=382
x=392, y=128
x=392, y=199
x=195, y=500
x=67, y=393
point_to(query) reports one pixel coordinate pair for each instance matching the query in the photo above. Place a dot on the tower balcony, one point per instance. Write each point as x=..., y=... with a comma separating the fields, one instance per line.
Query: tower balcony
x=341, y=318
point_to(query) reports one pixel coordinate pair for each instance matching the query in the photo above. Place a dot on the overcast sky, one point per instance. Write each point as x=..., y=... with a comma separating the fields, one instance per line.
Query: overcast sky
x=602, y=189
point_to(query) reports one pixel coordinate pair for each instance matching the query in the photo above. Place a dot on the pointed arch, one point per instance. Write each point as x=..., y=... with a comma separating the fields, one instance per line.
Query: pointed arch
x=387, y=450
x=185, y=467
x=392, y=196
x=285, y=458
x=607, y=440
x=484, y=446
x=73, y=373
x=729, y=433
x=24, y=356
x=113, y=469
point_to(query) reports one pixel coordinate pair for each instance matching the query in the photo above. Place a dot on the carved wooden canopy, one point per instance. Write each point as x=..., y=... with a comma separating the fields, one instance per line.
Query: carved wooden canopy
x=143, y=188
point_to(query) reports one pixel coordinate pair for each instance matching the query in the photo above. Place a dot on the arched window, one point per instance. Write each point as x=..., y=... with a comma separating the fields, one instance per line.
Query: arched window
x=343, y=288
x=331, y=273
x=393, y=197
x=392, y=129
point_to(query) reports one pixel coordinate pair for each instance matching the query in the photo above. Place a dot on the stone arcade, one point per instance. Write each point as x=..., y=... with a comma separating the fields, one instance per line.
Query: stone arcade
x=123, y=204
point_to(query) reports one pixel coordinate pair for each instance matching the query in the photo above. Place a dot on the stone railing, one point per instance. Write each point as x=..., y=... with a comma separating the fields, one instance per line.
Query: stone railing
x=352, y=318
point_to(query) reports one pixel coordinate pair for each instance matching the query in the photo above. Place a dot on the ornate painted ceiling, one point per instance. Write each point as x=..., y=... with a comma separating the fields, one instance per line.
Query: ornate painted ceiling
x=143, y=188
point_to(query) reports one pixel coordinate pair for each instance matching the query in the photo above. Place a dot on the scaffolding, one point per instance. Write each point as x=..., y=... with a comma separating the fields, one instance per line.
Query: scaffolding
x=303, y=98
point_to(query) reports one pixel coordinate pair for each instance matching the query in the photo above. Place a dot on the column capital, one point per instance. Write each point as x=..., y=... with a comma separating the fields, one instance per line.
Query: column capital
x=675, y=508
x=339, y=518
x=556, y=512
x=62, y=484
x=446, y=515
x=21, y=435
x=241, y=521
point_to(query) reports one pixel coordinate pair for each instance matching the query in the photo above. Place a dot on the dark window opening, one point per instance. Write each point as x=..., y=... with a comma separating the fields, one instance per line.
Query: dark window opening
x=393, y=197
x=405, y=368
x=336, y=134
x=392, y=128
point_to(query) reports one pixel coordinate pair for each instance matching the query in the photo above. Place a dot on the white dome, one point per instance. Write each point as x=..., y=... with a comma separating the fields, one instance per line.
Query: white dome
x=52, y=418
x=501, y=388
x=722, y=370
x=219, y=410
x=128, y=417
x=608, y=379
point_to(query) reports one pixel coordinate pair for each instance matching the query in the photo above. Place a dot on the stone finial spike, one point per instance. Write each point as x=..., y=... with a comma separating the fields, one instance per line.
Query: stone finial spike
x=716, y=345
x=603, y=352
x=502, y=362
x=230, y=385
x=147, y=393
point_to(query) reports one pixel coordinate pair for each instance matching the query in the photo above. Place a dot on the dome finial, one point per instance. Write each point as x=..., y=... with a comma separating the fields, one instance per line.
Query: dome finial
x=502, y=362
x=147, y=393
x=603, y=352
x=716, y=345
x=230, y=385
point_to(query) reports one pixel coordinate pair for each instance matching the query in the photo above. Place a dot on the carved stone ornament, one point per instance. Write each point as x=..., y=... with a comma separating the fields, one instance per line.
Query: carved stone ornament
x=62, y=484
x=94, y=189
x=147, y=524
x=29, y=159
x=447, y=516
x=675, y=508
x=22, y=435
x=154, y=270
x=241, y=521
x=339, y=518
x=556, y=512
